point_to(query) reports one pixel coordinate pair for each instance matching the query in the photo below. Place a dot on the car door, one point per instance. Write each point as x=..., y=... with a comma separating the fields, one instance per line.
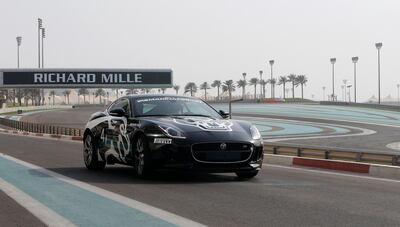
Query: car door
x=118, y=132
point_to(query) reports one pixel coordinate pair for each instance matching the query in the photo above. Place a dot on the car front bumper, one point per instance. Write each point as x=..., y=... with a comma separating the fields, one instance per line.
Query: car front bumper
x=179, y=155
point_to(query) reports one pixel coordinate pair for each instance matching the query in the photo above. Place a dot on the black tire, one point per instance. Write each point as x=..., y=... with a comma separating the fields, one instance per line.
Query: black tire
x=143, y=163
x=247, y=175
x=90, y=154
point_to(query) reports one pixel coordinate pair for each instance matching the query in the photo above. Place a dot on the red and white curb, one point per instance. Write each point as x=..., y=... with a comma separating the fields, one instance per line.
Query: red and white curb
x=53, y=136
x=373, y=170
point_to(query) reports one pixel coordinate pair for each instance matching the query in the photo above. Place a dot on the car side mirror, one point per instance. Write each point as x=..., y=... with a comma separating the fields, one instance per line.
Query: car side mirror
x=118, y=112
x=224, y=114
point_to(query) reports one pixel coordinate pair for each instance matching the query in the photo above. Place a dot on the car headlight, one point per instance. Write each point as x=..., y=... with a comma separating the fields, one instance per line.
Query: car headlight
x=255, y=134
x=172, y=132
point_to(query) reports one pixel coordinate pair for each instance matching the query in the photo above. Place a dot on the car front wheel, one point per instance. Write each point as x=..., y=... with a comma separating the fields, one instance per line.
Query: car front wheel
x=142, y=158
x=90, y=154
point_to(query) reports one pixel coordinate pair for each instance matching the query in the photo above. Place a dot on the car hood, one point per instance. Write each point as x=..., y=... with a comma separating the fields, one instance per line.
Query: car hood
x=194, y=124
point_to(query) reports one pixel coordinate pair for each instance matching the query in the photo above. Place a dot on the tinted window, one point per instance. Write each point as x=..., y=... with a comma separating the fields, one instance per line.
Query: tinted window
x=121, y=103
x=172, y=106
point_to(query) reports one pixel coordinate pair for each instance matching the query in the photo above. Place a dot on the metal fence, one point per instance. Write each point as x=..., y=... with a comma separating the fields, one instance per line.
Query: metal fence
x=40, y=128
x=334, y=154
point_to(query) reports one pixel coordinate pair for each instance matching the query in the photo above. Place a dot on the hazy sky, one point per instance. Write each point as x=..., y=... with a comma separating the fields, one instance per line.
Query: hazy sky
x=205, y=40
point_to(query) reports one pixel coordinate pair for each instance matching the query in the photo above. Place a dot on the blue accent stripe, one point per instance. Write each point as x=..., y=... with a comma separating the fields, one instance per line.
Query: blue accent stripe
x=79, y=206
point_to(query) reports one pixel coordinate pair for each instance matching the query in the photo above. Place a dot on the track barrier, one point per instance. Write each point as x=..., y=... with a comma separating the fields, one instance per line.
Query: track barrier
x=40, y=128
x=333, y=154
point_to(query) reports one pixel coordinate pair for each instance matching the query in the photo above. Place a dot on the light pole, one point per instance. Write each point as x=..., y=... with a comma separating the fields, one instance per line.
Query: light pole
x=244, y=87
x=355, y=60
x=261, y=86
x=345, y=86
x=398, y=97
x=378, y=47
x=43, y=36
x=349, y=89
x=323, y=93
x=333, y=61
x=343, y=93
x=271, y=63
x=19, y=40
x=39, y=28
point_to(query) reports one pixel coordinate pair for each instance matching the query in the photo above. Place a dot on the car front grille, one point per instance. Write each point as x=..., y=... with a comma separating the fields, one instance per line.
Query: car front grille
x=222, y=152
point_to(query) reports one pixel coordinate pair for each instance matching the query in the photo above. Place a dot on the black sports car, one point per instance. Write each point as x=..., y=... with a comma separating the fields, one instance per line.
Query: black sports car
x=163, y=131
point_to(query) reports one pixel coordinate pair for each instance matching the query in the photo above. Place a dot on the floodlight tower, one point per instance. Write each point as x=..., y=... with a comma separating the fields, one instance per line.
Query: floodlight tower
x=333, y=61
x=355, y=60
x=271, y=63
x=378, y=47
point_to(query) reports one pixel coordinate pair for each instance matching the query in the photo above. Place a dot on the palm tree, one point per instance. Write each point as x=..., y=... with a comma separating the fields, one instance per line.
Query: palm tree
x=66, y=93
x=293, y=79
x=130, y=91
x=263, y=83
x=176, y=88
x=84, y=92
x=100, y=93
x=254, y=81
x=282, y=81
x=52, y=94
x=242, y=84
x=272, y=82
x=228, y=86
x=217, y=84
x=204, y=86
x=302, y=80
x=191, y=87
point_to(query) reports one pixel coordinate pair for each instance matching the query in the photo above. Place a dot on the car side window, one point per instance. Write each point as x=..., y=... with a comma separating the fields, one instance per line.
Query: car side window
x=122, y=103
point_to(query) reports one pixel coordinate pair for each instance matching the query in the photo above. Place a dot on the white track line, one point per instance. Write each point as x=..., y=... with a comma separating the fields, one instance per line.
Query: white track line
x=155, y=212
x=329, y=119
x=46, y=215
x=331, y=173
x=363, y=132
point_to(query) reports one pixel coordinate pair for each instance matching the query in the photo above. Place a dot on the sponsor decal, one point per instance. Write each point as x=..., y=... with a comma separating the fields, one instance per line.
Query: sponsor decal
x=168, y=99
x=163, y=140
x=206, y=124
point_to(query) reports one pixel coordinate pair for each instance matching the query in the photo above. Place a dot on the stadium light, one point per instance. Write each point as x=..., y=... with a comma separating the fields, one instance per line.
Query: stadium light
x=378, y=47
x=40, y=24
x=333, y=61
x=271, y=63
x=19, y=41
x=261, y=89
x=355, y=60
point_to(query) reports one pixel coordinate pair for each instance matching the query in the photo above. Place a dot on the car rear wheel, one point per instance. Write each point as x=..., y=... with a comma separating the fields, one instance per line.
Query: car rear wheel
x=90, y=154
x=247, y=175
x=142, y=158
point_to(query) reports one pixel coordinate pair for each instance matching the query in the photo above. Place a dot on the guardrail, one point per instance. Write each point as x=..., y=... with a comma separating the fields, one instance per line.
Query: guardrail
x=40, y=128
x=334, y=154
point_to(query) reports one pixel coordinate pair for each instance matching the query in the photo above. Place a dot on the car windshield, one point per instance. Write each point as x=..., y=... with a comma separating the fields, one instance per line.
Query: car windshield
x=172, y=106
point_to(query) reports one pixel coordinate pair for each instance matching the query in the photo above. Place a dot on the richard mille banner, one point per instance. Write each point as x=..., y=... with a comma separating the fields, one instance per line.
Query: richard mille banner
x=96, y=78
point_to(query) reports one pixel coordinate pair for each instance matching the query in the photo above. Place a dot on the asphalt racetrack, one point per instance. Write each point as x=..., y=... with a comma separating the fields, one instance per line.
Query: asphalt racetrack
x=359, y=129
x=49, y=176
